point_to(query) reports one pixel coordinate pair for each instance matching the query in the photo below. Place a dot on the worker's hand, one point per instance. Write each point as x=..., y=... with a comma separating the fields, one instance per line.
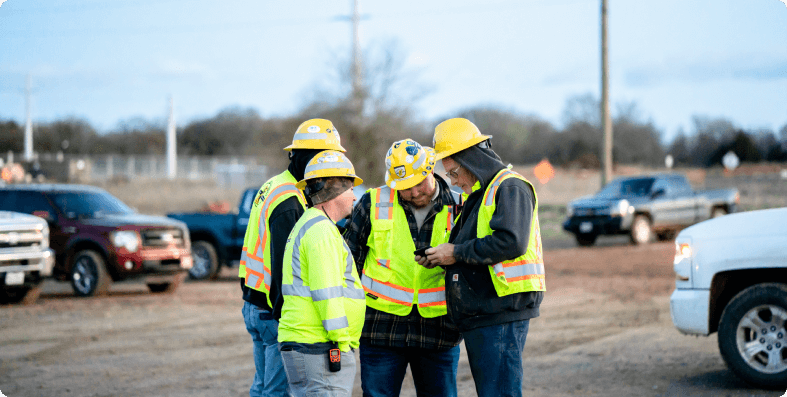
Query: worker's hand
x=422, y=261
x=442, y=255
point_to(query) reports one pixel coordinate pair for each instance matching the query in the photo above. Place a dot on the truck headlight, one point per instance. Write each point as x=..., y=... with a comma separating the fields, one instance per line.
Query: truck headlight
x=620, y=209
x=682, y=262
x=127, y=239
x=45, y=239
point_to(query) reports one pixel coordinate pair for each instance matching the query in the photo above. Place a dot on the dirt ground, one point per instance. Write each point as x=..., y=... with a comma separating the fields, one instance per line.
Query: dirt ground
x=604, y=330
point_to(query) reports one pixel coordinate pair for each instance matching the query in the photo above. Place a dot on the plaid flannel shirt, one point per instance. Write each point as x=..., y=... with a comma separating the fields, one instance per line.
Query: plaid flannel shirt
x=389, y=330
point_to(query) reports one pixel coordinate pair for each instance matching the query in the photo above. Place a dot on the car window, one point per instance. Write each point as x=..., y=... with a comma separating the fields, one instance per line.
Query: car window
x=629, y=187
x=89, y=204
x=34, y=203
x=681, y=185
x=663, y=184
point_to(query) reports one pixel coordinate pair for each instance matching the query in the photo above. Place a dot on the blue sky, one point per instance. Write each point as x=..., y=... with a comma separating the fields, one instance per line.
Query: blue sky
x=108, y=61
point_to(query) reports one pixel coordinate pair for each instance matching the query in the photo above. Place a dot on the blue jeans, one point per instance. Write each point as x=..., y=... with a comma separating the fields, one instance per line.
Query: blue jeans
x=495, y=355
x=383, y=370
x=269, y=379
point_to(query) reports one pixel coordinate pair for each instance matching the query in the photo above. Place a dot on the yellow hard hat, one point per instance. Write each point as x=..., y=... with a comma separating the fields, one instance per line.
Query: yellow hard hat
x=316, y=134
x=327, y=164
x=454, y=135
x=407, y=164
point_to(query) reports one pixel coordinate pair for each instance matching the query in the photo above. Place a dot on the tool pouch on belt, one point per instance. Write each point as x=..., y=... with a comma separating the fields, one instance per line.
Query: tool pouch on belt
x=335, y=358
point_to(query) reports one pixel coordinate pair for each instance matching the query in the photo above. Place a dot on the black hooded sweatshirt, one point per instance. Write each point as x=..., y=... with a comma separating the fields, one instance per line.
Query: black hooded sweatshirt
x=470, y=295
x=281, y=222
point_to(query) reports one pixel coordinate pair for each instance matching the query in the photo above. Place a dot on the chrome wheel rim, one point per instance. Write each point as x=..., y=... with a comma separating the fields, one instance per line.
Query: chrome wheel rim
x=761, y=338
x=641, y=231
x=83, y=275
x=201, y=265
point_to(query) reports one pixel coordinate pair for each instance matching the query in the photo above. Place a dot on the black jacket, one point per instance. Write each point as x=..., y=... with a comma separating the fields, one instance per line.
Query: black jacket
x=470, y=295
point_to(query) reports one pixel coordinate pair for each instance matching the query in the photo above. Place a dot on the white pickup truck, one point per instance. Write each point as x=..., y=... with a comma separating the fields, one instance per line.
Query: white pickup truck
x=25, y=257
x=731, y=278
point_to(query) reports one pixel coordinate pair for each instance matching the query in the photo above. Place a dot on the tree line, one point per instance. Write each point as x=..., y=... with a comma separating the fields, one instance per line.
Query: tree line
x=383, y=111
x=517, y=138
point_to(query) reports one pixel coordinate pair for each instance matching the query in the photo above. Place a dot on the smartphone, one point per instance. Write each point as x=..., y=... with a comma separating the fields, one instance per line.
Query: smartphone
x=421, y=252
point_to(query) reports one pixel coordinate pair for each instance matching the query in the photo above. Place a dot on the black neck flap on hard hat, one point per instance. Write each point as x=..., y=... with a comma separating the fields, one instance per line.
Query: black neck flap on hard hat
x=298, y=160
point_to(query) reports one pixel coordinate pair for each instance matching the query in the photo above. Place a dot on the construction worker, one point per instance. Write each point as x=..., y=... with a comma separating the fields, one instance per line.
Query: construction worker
x=493, y=261
x=406, y=321
x=324, y=305
x=277, y=206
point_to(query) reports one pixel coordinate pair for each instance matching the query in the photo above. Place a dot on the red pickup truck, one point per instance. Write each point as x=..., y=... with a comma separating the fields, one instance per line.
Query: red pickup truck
x=99, y=240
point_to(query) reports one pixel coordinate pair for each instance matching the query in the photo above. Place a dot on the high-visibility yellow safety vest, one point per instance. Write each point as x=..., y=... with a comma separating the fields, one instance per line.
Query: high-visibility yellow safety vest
x=256, y=256
x=524, y=273
x=323, y=297
x=393, y=280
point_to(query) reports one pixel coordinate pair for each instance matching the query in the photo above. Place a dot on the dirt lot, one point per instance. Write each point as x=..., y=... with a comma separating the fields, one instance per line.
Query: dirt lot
x=605, y=330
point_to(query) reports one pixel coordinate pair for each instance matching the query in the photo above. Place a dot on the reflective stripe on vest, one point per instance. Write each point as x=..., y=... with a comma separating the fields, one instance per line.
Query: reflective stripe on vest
x=526, y=272
x=297, y=288
x=391, y=277
x=254, y=266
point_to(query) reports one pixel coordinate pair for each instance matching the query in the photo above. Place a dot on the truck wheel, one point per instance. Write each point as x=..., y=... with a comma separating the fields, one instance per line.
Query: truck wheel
x=167, y=288
x=641, y=232
x=586, y=239
x=752, y=335
x=717, y=212
x=206, y=262
x=89, y=274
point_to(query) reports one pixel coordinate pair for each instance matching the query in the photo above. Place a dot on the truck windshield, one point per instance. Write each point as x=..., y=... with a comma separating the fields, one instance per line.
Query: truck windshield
x=629, y=187
x=89, y=204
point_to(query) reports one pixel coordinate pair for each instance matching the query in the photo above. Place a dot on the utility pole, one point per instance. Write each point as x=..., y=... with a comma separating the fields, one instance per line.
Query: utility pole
x=172, y=158
x=357, y=94
x=29, y=121
x=606, y=119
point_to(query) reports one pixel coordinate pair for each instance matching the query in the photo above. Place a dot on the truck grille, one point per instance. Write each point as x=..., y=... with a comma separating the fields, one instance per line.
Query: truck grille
x=162, y=237
x=20, y=238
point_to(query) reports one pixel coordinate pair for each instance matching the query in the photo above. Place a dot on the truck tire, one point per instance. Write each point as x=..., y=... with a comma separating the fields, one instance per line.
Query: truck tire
x=752, y=335
x=641, y=232
x=167, y=288
x=206, y=262
x=586, y=239
x=89, y=274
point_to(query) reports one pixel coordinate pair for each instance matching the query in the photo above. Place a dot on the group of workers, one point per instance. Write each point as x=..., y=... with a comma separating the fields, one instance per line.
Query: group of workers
x=417, y=269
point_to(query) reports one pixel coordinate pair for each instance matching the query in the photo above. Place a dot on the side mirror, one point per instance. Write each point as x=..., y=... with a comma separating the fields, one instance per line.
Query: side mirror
x=658, y=193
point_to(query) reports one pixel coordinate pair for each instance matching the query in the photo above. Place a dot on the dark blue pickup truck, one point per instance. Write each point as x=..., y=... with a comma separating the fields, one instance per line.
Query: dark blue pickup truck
x=216, y=239
x=645, y=207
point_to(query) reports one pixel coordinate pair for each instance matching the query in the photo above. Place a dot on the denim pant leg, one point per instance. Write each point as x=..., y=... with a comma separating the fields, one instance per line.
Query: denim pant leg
x=382, y=370
x=495, y=355
x=269, y=378
x=434, y=372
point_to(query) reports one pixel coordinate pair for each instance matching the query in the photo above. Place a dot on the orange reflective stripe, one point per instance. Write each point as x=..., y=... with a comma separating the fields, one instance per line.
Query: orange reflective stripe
x=427, y=290
x=260, y=278
x=379, y=295
x=441, y=303
x=526, y=277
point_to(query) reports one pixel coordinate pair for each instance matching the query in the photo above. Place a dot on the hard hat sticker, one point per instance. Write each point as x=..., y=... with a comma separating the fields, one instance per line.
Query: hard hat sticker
x=313, y=128
x=409, y=159
x=399, y=171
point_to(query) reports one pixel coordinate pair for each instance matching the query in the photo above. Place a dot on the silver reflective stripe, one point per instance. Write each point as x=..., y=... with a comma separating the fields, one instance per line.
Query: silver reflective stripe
x=386, y=290
x=251, y=281
x=262, y=230
x=493, y=189
x=383, y=204
x=322, y=166
x=296, y=249
x=350, y=291
x=295, y=290
x=335, y=323
x=244, y=256
x=420, y=161
x=327, y=293
x=306, y=135
x=520, y=270
x=431, y=297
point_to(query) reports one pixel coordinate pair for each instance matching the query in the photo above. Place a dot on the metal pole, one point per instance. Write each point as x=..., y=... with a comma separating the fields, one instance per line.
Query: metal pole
x=172, y=158
x=356, y=67
x=606, y=119
x=29, y=121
